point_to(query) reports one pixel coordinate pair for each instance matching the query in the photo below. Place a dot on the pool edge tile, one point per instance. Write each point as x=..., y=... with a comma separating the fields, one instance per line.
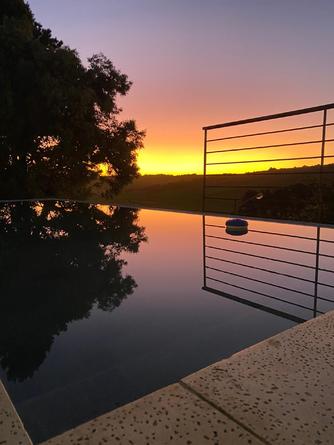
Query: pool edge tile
x=170, y=415
x=12, y=431
x=282, y=388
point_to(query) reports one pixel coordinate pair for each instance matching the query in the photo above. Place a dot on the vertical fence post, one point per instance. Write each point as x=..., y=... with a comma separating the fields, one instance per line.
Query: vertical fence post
x=203, y=203
x=316, y=278
x=322, y=162
x=204, y=250
x=204, y=170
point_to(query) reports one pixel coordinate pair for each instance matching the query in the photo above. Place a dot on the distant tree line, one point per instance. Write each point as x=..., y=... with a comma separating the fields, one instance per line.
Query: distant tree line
x=300, y=201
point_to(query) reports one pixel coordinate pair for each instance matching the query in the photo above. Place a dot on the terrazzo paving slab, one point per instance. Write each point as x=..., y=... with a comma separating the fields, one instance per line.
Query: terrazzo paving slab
x=12, y=431
x=172, y=415
x=282, y=389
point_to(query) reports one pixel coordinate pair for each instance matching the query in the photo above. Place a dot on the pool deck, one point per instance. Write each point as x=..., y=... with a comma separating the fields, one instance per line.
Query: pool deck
x=11, y=428
x=279, y=391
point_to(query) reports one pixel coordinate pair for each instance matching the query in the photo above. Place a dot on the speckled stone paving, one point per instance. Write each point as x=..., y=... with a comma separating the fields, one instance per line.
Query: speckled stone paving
x=172, y=415
x=282, y=389
x=12, y=431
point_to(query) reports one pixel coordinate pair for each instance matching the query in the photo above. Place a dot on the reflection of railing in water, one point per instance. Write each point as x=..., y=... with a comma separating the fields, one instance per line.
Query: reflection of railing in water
x=225, y=266
x=222, y=190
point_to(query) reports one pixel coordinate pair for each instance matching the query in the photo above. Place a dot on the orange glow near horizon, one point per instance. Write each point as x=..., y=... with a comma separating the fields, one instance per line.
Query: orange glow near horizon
x=176, y=147
x=182, y=153
x=171, y=163
x=188, y=159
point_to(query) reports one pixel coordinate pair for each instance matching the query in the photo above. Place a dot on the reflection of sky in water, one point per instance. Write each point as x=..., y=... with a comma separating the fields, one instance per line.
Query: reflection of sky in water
x=168, y=328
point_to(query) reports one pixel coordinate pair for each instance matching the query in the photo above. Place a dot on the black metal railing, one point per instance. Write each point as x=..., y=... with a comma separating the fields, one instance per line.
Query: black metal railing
x=288, y=274
x=307, y=173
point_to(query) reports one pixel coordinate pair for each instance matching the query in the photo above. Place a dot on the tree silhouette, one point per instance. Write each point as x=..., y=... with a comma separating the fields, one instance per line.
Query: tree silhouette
x=58, y=118
x=57, y=261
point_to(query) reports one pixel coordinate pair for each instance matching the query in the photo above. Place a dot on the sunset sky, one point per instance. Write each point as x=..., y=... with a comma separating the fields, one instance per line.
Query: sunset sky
x=201, y=62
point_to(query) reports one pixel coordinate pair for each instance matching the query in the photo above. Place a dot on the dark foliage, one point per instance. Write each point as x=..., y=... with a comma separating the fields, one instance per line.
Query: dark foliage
x=57, y=261
x=58, y=118
x=303, y=202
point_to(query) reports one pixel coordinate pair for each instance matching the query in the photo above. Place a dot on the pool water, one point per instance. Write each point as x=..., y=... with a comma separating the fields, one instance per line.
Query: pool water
x=101, y=305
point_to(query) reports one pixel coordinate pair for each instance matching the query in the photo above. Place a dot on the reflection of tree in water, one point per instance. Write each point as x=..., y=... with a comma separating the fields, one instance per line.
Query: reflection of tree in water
x=57, y=260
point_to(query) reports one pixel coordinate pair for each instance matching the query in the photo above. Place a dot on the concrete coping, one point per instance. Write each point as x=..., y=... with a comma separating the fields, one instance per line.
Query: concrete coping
x=12, y=431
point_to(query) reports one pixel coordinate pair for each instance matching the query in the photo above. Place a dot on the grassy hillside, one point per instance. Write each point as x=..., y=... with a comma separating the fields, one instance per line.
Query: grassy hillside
x=185, y=192
x=172, y=192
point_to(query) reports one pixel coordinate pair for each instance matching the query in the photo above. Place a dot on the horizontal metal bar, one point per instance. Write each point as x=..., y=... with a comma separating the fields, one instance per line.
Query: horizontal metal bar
x=270, y=233
x=326, y=270
x=325, y=284
x=271, y=116
x=264, y=257
x=326, y=256
x=275, y=233
x=246, y=186
x=223, y=199
x=270, y=246
x=261, y=281
x=325, y=299
x=290, y=144
x=268, y=160
x=260, y=293
x=268, y=173
x=273, y=272
x=268, y=258
x=223, y=260
x=289, y=249
x=259, y=306
x=309, y=127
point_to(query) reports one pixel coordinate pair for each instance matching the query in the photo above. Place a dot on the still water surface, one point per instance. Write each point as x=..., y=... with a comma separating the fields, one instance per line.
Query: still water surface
x=102, y=305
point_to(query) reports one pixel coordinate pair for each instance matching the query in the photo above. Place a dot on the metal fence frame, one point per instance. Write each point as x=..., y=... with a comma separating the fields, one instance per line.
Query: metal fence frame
x=317, y=254
x=322, y=156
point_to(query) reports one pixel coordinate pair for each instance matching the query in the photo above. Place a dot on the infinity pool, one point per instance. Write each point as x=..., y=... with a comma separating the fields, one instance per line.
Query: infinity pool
x=101, y=305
